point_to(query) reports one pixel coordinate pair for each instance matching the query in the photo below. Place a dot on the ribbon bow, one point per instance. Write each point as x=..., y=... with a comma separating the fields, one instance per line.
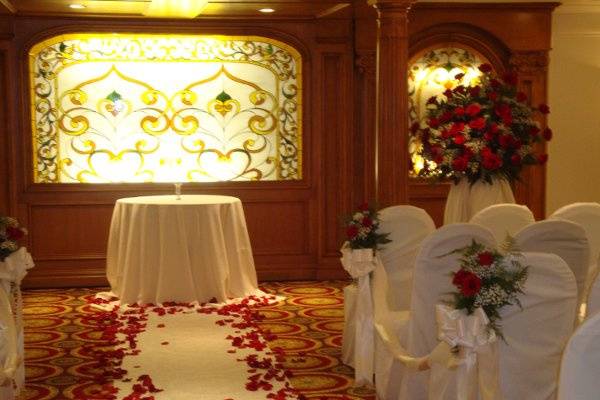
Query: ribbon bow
x=477, y=370
x=359, y=263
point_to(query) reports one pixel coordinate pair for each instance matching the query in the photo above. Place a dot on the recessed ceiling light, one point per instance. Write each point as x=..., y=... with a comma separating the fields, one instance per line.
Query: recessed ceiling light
x=266, y=10
x=77, y=6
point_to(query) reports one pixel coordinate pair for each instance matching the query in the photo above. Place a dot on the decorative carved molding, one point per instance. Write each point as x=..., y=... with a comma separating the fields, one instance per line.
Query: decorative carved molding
x=529, y=61
x=366, y=63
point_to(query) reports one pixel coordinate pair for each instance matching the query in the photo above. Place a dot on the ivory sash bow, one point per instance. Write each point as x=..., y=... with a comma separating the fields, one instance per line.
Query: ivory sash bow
x=359, y=263
x=478, y=370
x=12, y=271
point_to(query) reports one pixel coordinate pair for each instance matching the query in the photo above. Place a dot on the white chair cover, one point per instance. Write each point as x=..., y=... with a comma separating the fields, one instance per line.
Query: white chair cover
x=12, y=352
x=537, y=334
x=566, y=239
x=407, y=227
x=593, y=300
x=588, y=216
x=581, y=363
x=504, y=219
x=432, y=283
x=466, y=199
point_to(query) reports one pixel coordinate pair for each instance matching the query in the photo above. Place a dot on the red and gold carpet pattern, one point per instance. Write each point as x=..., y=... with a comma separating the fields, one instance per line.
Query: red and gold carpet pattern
x=308, y=326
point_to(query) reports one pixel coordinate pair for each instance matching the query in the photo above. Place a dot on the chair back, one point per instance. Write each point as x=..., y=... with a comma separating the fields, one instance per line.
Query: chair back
x=431, y=285
x=407, y=226
x=536, y=335
x=504, y=219
x=566, y=239
x=588, y=216
x=581, y=363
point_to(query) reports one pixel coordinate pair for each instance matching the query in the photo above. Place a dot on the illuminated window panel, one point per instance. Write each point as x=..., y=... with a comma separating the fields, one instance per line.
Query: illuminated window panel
x=154, y=108
x=431, y=75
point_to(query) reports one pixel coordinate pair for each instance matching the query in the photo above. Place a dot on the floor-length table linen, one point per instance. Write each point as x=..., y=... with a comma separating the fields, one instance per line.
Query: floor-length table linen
x=191, y=249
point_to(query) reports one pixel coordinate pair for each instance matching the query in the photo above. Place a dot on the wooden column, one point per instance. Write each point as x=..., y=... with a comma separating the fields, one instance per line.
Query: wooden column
x=532, y=67
x=392, y=101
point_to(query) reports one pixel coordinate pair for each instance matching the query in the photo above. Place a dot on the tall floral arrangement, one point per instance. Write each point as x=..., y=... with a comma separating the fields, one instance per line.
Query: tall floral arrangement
x=481, y=132
x=11, y=232
x=362, y=229
x=488, y=279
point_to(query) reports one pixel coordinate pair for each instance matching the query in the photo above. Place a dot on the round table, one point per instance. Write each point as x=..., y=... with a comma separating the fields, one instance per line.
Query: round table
x=191, y=249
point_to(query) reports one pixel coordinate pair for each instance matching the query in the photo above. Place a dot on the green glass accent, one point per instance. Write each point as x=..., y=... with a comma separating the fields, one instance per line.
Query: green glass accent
x=114, y=96
x=223, y=97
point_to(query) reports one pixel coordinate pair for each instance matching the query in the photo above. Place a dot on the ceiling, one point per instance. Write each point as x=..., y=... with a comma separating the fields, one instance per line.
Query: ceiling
x=135, y=8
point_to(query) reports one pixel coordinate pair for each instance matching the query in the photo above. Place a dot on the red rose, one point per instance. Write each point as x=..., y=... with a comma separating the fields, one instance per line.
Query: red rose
x=547, y=134
x=485, y=68
x=471, y=285
x=542, y=159
x=494, y=127
x=459, y=111
x=521, y=97
x=458, y=77
x=459, y=277
x=446, y=134
x=434, y=123
x=473, y=109
x=367, y=222
x=510, y=78
x=505, y=141
x=485, y=258
x=432, y=100
x=459, y=139
x=544, y=109
x=495, y=83
x=457, y=128
x=460, y=164
x=435, y=150
x=477, y=123
x=493, y=96
x=475, y=91
x=515, y=160
x=445, y=117
x=14, y=233
x=448, y=93
x=488, y=136
x=486, y=152
x=364, y=206
x=491, y=162
x=351, y=231
x=459, y=89
x=534, y=130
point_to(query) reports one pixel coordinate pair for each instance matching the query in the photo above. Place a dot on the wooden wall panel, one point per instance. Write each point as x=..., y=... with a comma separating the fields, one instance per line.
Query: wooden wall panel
x=62, y=232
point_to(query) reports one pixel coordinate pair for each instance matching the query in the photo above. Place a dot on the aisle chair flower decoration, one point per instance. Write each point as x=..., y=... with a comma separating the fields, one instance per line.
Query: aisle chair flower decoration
x=469, y=324
x=14, y=263
x=359, y=259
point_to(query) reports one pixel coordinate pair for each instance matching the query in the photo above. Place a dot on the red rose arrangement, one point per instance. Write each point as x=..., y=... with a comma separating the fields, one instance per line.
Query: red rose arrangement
x=481, y=132
x=362, y=229
x=10, y=234
x=488, y=279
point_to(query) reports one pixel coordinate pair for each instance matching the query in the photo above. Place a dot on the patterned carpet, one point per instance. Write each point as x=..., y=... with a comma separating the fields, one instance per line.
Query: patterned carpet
x=308, y=326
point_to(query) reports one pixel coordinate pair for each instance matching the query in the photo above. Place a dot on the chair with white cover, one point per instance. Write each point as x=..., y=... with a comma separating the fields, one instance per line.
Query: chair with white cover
x=392, y=279
x=581, y=363
x=504, y=219
x=588, y=216
x=535, y=335
x=566, y=239
x=431, y=284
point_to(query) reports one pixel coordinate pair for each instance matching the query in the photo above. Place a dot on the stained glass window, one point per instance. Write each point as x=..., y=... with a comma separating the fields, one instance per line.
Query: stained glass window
x=155, y=108
x=430, y=75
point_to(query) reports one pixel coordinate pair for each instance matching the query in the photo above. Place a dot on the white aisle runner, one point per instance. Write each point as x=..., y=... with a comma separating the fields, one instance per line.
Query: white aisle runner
x=190, y=357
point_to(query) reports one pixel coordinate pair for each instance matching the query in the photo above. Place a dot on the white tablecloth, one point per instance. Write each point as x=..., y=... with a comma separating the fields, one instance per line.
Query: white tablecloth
x=163, y=249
